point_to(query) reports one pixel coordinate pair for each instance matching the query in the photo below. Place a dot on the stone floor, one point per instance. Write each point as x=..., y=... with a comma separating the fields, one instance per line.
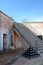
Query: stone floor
x=10, y=55
x=25, y=61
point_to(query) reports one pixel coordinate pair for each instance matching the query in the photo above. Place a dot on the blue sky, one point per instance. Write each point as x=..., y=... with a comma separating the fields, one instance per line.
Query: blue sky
x=23, y=10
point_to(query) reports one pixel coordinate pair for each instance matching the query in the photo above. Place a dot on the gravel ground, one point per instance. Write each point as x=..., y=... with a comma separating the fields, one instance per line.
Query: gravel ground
x=10, y=55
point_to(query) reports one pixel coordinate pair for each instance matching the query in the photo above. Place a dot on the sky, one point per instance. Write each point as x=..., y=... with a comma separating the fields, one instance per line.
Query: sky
x=23, y=10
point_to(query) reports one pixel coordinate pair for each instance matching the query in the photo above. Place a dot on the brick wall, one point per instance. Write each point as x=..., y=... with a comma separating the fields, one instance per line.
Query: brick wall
x=6, y=28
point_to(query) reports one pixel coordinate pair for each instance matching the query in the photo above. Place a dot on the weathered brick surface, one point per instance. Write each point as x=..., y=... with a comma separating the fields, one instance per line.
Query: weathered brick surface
x=5, y=21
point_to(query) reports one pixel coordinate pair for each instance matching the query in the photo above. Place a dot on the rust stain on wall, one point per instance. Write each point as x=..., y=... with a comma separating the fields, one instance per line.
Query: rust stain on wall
x=15, y=39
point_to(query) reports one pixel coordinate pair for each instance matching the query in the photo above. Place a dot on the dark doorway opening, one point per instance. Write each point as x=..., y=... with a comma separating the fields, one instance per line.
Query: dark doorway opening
x=11, y=40
x=40, y=37
x=4, y=41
